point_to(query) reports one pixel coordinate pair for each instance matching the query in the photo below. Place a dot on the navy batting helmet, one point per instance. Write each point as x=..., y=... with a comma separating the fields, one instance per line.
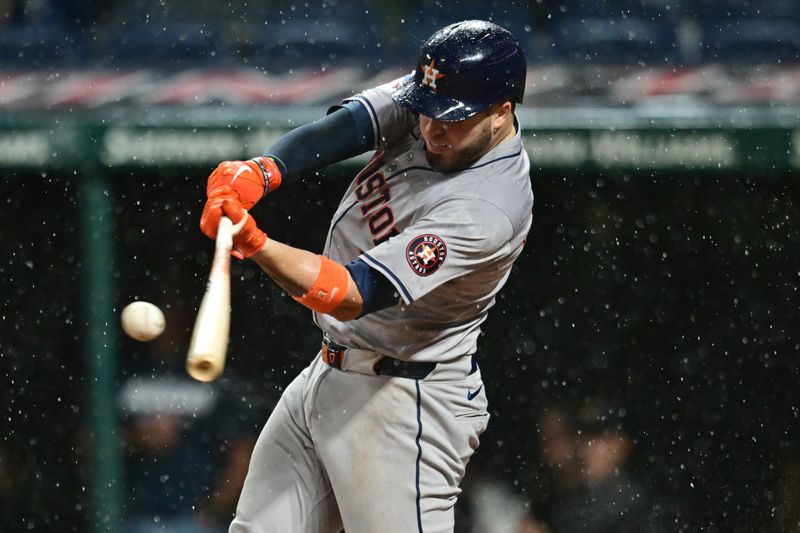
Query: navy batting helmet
x=462, y=70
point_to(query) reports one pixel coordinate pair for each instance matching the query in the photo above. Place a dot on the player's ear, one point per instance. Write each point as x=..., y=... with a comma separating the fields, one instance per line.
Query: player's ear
x=504, y=112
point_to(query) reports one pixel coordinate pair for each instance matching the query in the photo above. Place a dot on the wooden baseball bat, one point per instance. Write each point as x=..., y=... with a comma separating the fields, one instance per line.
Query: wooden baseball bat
x=206, y=357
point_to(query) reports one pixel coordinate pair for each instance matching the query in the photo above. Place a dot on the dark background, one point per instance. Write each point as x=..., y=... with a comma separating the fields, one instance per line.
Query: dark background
x=674, y=294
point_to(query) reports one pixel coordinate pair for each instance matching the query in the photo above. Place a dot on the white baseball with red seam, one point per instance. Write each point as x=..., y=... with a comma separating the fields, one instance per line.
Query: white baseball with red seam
x=143, y=321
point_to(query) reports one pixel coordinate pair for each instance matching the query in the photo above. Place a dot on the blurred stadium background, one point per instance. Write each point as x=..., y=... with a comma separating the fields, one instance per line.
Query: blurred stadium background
x=661, y=273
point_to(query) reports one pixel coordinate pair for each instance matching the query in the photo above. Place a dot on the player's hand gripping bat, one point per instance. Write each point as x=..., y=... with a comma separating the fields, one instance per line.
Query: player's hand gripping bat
x=206, y=357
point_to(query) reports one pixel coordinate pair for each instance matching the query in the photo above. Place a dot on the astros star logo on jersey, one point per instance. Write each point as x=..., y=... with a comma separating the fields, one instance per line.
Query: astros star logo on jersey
x=425, y=254
x=430, y=75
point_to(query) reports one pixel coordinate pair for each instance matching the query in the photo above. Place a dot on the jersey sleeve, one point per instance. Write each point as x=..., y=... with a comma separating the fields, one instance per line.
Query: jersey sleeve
x=376, y=291
x=452, y=239
x=390, y=121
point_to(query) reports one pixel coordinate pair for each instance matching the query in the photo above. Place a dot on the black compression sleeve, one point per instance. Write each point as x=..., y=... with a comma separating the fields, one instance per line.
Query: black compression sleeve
x=336, y=137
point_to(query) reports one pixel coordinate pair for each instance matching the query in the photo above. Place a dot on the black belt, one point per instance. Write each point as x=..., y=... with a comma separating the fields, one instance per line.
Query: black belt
x=333, y=354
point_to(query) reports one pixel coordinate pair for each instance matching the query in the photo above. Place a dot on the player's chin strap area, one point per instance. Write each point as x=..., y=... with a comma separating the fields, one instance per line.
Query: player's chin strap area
x=372, y=363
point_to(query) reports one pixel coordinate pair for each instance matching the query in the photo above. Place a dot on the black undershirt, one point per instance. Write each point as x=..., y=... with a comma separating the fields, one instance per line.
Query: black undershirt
x=344, y=133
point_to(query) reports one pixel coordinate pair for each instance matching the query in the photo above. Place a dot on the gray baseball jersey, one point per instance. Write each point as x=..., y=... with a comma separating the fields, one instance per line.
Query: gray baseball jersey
x=445, y=241
x=348, y=448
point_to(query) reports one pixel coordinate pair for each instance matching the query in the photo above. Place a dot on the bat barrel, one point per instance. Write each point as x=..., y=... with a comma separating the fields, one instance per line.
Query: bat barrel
x=203, y=368
x=207, y=350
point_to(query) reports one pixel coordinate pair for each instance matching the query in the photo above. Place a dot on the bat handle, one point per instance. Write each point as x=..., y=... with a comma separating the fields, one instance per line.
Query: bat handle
x=224, y=236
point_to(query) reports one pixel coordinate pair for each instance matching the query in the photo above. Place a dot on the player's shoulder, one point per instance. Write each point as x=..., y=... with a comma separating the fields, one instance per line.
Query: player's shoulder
x=473, y=216
x=393, y=85
x=380, y=94
x=502, y=178
x=391, y=122
x=499, y=187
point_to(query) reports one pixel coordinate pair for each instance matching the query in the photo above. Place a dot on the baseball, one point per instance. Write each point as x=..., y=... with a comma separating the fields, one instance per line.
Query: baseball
x=142, y=321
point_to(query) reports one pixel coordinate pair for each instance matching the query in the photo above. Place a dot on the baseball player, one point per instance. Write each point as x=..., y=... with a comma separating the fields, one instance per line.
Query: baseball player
x=375, y=434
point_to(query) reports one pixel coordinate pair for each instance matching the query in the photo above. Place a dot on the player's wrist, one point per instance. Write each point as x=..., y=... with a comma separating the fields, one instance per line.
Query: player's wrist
x=251, y=245
x=270, y=172
x=249, y=241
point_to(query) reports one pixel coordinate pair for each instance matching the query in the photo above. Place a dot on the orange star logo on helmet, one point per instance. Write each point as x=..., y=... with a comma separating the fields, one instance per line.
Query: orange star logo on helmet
x=430, y=74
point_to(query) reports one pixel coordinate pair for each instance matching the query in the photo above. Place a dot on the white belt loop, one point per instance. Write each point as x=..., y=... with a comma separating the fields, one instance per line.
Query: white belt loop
x=360, y=361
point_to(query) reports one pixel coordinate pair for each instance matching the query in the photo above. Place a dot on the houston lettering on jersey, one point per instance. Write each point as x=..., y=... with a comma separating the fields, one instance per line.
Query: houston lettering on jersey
x=373, y=194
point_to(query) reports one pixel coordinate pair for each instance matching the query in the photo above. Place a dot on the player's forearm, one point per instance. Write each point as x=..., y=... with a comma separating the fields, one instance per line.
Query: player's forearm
x=311, y=147
x=293, y=269
x=296, y=271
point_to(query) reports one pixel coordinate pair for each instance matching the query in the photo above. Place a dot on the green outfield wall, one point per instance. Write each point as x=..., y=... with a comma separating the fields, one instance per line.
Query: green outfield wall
x=662, y=138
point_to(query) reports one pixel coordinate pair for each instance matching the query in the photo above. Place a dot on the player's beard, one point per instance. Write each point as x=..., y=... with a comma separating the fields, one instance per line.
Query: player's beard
x=456, y=161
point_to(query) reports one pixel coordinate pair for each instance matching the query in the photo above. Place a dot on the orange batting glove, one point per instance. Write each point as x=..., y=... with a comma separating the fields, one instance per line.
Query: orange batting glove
x=247, y=238
x=250, y=179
